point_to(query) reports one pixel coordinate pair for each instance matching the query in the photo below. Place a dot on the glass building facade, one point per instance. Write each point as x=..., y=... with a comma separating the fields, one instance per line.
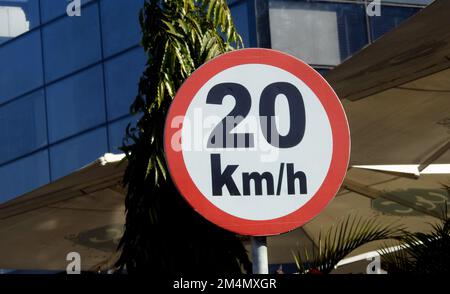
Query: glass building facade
x=66, y=83
x=323, y=33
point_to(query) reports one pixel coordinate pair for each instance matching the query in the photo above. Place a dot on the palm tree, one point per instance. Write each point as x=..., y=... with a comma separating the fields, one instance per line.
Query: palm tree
x=342, y=239
x=163, y=234
x=423, y=253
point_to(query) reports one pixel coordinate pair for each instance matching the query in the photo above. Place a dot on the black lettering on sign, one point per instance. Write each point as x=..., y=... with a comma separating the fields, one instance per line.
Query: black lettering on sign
x=221, y=136
x=292, y=176
x=296, y=114
x=220, y=179
x=223, y=177
x=258, y=178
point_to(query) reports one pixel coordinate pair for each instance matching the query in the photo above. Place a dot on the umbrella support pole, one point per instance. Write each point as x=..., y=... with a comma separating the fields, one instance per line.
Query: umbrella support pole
x=259, y=255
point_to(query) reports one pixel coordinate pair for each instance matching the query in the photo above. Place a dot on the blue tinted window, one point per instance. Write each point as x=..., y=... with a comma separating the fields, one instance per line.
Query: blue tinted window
x=120, y=24
x=390, y=18
x=318, y=32
x=117, y=132
x=71, y=43
x=239, y=12
x=22, y=126
x=21, y=66
x=77, y=152
x=122, y=80
x=17, y=17
x=51, y=9
x=76, y=104
x=24, y=175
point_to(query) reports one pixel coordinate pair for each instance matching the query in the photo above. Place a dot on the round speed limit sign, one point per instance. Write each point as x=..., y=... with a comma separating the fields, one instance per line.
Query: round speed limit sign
x=257, y=142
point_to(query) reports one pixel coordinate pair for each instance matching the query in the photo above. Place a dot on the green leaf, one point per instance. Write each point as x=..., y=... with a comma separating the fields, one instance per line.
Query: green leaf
x=342, y=239
x=162, y=167
x=171, y=29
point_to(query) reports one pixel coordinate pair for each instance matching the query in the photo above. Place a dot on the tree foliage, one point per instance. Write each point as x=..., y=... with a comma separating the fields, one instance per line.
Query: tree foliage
x=163, y=234
x=421, y=253
x=341, y=240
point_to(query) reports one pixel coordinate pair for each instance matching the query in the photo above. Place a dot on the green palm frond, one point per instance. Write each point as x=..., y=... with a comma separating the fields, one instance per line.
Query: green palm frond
x=341, y=239
x=422, y=252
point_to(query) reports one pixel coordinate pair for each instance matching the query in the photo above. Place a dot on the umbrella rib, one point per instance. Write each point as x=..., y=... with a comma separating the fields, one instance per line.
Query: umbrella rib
x=435, y=155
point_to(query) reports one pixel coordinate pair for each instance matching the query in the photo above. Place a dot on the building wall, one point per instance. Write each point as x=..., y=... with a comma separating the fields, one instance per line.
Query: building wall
x=66, y=83
x=322, y=33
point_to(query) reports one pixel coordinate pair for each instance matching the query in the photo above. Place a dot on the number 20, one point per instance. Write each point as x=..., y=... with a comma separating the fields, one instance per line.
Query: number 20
x=266, y=114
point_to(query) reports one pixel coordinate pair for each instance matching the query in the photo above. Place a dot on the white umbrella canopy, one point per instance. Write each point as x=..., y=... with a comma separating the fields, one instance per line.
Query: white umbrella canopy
x=397, y=93
x=392, y=199
x=82, y=212
x=418, y=48
x=403, y=125
x=413, y=202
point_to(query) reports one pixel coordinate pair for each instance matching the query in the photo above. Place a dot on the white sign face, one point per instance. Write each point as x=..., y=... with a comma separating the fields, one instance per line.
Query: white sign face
x=251, y=144
x=309, y=158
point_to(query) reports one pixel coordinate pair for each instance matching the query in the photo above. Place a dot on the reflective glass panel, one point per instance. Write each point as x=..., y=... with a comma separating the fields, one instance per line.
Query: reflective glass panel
x=117, y=132
x=120, y=24
x=390, y=18
x=321, y=33
x=76, y=104
x=22, y=126
x=75, y=153
x=23, y=175
x=17, y=17
x=239, y=12
x=51, y=9
x=71, y=43
x=20, y=66
x=122, y=79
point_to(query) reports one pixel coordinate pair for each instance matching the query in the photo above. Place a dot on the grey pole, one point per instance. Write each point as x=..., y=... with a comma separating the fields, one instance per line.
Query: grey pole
x=259, y=254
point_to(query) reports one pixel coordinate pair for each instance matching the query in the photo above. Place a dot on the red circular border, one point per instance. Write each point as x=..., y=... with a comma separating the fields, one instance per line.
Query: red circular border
x=336, y=116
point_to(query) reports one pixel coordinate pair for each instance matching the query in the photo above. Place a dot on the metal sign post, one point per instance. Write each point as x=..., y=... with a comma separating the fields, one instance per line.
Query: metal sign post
x=259, y=255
